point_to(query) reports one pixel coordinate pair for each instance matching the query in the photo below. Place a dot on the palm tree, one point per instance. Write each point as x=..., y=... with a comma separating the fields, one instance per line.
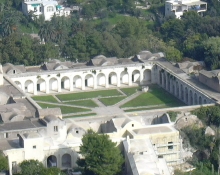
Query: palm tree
x=47, y=32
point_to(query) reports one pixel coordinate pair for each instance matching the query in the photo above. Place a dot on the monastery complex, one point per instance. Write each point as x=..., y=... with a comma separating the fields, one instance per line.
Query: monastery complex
x=149, y=146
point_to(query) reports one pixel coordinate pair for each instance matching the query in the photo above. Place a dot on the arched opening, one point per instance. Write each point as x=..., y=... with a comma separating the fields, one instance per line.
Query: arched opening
x=53, y=84
x=66, y=161
x=186, y=95
x=161, y=78
x=165, y=81
x=65, y=83
x=191, y=98
x=182, y=93
x=204, y=101
x=173, y=90
x=200, y=100
x=168, y=87
x=147, y=76
x=124, y=78
x=51, y=161
x=77, y=82
x=29, y=86
x=177, y=89
x=18, y=84
x=112, y=79
x=101, y=80
x=195, y=99
x=41, y=85
x=136, y=76
x=89, y=81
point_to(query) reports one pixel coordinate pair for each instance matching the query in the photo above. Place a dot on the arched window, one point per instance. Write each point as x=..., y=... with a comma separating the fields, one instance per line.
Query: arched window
x=50, y=9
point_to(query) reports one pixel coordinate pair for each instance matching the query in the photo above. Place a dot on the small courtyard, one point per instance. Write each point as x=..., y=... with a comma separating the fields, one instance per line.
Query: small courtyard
x=113, y=101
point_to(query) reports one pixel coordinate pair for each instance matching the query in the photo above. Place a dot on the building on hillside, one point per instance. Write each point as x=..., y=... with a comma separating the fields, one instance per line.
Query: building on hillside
x=210, y=79
x=57, y=142
x=178, y=7
x=47, y=8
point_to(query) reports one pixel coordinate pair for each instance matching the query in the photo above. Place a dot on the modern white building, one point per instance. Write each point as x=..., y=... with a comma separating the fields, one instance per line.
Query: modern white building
x=178, y=7
x=47, y=8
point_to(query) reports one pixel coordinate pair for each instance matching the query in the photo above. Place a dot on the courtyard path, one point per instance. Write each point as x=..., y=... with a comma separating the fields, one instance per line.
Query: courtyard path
x=129, y=98
x=54, y=96
x=63, y=104
x=99, y=103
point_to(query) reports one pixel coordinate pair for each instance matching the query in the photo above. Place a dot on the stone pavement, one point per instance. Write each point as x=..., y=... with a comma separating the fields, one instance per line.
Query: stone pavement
x=108, y=110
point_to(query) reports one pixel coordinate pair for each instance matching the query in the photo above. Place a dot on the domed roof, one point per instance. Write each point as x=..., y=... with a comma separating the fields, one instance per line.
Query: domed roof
x=32, y=135
x=54, y=61
x=99, y=57
x=50, y=118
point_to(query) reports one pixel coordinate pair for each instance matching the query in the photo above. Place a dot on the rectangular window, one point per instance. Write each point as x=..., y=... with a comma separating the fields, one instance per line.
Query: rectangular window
x=34, y=147
x=170, y=146
x=55, y=128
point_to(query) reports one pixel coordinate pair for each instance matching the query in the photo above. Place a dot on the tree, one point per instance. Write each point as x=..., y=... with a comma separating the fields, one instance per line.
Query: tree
x=31, y=167
x=51, y=171
x=3, y=163
x=101, y=157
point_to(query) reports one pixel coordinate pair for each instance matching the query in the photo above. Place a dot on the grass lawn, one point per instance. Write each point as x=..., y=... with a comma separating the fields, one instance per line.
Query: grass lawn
x=155, y=96
x=86, y=103
x=87, y=95
x=48, y=98
x=111, y=101
x=130, y=91
x=82, y=115
x=64, y=109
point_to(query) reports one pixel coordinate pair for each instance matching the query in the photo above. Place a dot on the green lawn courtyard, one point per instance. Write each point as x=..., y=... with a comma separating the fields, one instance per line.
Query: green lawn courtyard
x=155, y=98
x=88, y=95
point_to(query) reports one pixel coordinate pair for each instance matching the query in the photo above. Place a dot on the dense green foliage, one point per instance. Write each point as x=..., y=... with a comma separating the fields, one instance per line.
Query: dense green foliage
x=101, y=32
x=206, y=158
x=3, y=163
x=100, y=155
x=34, y=167
x=209, y=115
x=31, y=167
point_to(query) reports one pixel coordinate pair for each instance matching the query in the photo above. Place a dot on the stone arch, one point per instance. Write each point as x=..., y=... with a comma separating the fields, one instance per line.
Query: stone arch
x=124, y=77
x=77, y=82
x=41, y=85
x=204, y=101
x=101, y=80
x=200, y=100
x=186, y=95
x=29, y=86
x=65, y=83
x=89, y=81
x=161, y=77
x=147, y=75
x=177, y=89
x=191, y=97
x=182, y=92
x=135, y=76
x=112, y=79
x=52, y=161
x=195, y=99
x=18, y=83
x=169, y=83
x=66, y=161
x=165, y=80
x=53, y=84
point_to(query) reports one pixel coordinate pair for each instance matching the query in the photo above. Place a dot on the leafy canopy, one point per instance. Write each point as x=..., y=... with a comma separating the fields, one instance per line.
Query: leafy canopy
x=101, y=157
